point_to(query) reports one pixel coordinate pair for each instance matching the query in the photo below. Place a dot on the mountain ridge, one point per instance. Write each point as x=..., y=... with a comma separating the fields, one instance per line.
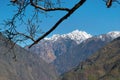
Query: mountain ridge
x=76, y=35
x=64, y=53
x=102, y=65
x=17, y=63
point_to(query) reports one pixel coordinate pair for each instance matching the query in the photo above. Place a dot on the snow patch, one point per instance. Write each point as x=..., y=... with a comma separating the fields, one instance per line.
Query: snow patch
x=114, y=34
x=76, y=35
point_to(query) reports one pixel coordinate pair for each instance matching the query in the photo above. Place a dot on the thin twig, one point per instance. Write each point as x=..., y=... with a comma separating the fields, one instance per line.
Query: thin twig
x=49, y=9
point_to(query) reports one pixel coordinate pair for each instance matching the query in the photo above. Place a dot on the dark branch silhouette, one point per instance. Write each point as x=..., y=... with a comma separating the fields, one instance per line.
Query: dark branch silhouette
x=109, y=3
x=33, y=22
x=49, y=9
x=80, y=3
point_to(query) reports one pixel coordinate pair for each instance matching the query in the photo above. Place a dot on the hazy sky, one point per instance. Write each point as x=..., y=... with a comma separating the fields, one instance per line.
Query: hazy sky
x=93, y=17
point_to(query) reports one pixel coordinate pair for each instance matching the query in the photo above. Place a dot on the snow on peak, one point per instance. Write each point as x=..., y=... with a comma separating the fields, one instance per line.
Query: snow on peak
x=114, y=34
x=76, y=35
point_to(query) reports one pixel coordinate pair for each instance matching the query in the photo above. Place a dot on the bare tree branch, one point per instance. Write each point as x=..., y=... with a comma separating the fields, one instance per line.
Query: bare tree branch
x=109, y=3
x=13, y=1
x=80, y=3
x=49, y=9
x=27, y=36
x=40, y=7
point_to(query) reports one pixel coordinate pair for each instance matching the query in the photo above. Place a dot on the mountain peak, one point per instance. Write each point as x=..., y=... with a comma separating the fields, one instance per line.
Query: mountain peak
x=75, y=35
x=114, y=34
x=78, y=36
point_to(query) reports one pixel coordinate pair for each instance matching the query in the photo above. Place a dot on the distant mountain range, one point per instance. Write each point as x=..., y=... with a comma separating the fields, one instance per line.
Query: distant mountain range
x=76, y=55
x=68, y=50
x=50, y=48
x=17, y=63
x=103, y=65
x=76, y=35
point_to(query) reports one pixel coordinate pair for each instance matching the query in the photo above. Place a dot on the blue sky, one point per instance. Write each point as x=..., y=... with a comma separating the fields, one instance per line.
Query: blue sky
x=93, y=17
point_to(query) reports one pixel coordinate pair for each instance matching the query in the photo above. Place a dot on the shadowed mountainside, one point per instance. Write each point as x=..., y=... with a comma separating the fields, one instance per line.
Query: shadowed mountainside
x=80, y=52
x=103, y=65
x=27, y=66
x=68, y=50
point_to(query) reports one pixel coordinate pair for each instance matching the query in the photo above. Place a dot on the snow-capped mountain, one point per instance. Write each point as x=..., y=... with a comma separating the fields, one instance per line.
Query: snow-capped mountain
x=50, y=48
x=114, y=34
x=67, y=50
x=76, y=35
x=110, y=35
x=80, y=52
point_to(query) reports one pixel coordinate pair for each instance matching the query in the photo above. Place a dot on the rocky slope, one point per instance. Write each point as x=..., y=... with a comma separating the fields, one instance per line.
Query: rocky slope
x=50, y=48
x=82, y=51
x=103, y=65
x=18, y=64
x=68, y=50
